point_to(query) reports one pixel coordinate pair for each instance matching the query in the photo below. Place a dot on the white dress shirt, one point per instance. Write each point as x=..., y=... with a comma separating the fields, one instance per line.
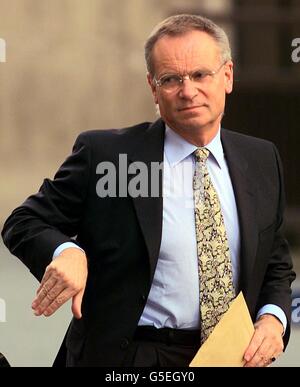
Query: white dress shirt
x=174, y=296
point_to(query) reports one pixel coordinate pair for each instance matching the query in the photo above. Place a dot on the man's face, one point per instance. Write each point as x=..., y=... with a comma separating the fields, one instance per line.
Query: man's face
x=194, y=106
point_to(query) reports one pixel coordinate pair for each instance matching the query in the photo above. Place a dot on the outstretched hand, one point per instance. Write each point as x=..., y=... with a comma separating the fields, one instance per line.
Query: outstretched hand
x=64, y=278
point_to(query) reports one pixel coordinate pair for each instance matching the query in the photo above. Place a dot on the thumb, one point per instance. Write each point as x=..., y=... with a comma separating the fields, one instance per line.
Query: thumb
x=76, y=304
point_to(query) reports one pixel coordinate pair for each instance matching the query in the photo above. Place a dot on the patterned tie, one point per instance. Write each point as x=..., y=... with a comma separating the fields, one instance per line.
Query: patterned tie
x=215, y=270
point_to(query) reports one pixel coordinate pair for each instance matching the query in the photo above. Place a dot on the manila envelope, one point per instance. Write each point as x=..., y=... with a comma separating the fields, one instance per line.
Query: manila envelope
x=226, y=345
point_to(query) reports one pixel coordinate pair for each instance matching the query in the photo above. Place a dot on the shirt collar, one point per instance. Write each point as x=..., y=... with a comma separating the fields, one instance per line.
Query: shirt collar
x=177, y=148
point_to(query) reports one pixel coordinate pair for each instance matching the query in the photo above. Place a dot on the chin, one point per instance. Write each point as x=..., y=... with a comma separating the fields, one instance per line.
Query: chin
x=193, y=124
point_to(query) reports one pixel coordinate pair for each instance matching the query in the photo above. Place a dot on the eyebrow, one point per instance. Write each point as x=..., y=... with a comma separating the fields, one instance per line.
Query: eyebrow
x=202, y=69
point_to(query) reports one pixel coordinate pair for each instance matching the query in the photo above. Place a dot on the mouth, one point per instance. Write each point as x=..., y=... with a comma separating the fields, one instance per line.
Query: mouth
x=190, y=108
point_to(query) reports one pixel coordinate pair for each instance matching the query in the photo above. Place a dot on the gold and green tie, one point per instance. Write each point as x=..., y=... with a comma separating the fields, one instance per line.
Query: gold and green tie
x=215, y=269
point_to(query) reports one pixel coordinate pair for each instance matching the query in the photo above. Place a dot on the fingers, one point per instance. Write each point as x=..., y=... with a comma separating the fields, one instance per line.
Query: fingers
x=262, y=356
x=63, y=297
x=47, y=295
x=45, y=292
x=76, y=305
x=255, y=343
x=45, y=278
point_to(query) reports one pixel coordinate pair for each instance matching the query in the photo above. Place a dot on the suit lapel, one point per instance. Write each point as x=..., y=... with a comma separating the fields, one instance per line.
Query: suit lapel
x=244, y=190
x=149, y=209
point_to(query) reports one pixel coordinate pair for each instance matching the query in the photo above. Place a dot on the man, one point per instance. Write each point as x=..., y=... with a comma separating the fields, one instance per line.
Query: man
x=151, y=275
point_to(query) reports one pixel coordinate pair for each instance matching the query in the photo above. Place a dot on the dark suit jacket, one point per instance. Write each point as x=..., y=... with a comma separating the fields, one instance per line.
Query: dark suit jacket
x=121, y=235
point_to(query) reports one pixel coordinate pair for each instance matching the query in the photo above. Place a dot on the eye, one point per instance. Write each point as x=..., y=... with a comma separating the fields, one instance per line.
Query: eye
x=199, y=75
x=171, y=79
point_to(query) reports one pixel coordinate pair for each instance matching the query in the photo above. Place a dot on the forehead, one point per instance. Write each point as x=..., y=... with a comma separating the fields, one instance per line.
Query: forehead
x=184, y=53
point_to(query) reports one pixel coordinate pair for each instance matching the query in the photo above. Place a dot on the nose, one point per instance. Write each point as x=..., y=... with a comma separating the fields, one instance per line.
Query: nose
x=188, y=89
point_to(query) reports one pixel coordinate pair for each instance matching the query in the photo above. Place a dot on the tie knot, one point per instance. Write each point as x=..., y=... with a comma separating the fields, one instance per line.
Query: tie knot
x=201, y=155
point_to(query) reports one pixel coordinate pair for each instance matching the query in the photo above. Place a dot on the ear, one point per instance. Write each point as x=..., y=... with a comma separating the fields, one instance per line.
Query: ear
x=228, y=77
x=153, y=88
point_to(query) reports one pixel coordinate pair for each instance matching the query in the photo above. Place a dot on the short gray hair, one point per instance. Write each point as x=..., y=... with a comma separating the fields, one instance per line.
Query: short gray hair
x=181, y=24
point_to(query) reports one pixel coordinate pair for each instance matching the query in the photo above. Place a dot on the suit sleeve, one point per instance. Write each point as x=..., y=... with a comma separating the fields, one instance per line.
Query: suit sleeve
x=52, y=216
x=276, y=287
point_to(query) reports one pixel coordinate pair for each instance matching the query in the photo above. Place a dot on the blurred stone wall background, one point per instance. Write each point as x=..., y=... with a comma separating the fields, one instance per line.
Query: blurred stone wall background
x=71, y=65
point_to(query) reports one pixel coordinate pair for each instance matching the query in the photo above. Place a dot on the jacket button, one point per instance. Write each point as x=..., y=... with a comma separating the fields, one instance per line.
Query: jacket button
x=143, y=297
x=124, y=343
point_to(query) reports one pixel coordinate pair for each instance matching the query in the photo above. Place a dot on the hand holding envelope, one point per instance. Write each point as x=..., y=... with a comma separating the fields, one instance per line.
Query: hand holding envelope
x=226, y=345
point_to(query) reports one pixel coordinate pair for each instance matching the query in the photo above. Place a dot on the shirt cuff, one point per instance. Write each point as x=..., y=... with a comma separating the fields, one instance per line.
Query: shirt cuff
x=275, y=311
x=64, y=246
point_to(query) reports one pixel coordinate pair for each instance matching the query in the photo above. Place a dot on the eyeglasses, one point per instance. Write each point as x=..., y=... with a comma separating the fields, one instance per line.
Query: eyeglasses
x=173, y=82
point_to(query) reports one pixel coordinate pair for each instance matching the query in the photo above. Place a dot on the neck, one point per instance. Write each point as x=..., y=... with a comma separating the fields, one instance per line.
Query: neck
x=199, y=137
